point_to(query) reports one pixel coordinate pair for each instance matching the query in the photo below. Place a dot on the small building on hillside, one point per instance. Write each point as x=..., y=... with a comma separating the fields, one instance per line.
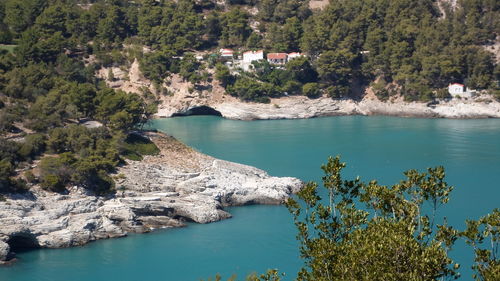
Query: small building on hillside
x=459, y=90
x=277, y=58
x=456, y=89
x=226, y=53
x=294, y=55
x=249, y=57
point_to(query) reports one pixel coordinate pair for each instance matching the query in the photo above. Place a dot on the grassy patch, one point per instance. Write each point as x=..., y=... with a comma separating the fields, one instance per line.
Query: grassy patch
x=136, y=146
x=9, y=48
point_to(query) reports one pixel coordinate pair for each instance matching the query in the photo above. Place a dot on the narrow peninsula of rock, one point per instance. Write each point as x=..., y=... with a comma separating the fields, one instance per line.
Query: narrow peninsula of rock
x=166, y=190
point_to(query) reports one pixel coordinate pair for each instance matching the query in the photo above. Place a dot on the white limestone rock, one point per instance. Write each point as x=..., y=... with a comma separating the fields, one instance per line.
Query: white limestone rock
x=161, y=191
x=4, y=251
x=295, y=107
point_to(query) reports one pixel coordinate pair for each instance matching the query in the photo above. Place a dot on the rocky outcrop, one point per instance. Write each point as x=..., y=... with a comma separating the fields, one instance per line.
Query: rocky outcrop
x=294, y=107
x=4, y=251
x=178, y=185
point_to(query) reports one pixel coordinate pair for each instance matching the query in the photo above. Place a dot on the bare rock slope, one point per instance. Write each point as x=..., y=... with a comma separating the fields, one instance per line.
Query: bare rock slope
x=178, y=185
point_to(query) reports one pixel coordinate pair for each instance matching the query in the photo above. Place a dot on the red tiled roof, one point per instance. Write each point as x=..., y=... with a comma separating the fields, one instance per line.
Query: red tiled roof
x=277, y=56
x=226, y=51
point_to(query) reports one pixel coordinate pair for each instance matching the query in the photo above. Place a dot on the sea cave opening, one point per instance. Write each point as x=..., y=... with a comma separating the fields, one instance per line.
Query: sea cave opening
x=199, y=110
x=22, y=242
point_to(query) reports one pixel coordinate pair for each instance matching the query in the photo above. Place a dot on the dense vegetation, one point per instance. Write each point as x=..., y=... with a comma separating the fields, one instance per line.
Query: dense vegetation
x=408, y=47
x=367, y=231
x=48, y=93
x=51, y=50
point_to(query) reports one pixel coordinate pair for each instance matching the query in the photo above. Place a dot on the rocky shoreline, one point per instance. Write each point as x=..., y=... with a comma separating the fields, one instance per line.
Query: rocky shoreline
x=295, y=107
x=184, y=99
x=162, y=191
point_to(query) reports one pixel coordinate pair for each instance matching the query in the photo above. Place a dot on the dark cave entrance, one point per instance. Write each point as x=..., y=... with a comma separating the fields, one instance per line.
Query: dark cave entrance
x=200, y=110
x=22, y=242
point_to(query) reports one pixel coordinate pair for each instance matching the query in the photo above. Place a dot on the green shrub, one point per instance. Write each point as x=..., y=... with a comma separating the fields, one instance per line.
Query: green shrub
x=263, y=100
x=56, y=172
x=6, y=171
x=311, y=90
x=338, y=91
x=136, y=146
x=111, y=75
x=33, y=146
x=442, y=94
x=293, y=87
x=7, y=183
x=91, y=173
x=223, y=74
x=19, y=185
x=30, y=177
x=57, y=141
x=249, y=89
x=53, y=183
x=382, y=94
x=426, y=96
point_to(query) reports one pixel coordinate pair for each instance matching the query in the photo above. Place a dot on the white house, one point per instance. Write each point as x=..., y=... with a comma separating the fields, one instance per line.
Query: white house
x=294, y=55
x=459, y=90
x=251, y=56
x=456, y=89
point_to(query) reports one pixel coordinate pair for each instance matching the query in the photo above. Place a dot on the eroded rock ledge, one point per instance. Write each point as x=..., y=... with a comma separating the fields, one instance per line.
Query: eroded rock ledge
x=294, y=107
x=178, y=185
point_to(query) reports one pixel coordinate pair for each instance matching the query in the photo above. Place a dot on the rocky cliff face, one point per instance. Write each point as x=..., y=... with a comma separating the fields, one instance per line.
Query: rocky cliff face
x=302, y=107
x=185, y=99
x=178, y=185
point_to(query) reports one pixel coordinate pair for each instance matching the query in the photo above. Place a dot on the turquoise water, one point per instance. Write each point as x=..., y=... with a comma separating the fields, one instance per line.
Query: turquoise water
x=261, y=237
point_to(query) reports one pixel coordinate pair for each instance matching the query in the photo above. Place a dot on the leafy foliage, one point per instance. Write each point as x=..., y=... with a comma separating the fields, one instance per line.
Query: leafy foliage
x=250, y=90
x=84, y=157
x=136, y=146
x=368, y=231
x=485, y=231
x=223, y=74
x=391, y=238
x=235, y=28
x=406, y=41
x=311, y=90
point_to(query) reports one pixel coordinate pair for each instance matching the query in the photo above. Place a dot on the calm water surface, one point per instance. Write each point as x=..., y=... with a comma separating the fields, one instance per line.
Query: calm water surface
x=261, y=237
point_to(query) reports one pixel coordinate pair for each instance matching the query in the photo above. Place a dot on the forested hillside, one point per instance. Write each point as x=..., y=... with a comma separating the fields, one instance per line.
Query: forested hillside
x=51, y=50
